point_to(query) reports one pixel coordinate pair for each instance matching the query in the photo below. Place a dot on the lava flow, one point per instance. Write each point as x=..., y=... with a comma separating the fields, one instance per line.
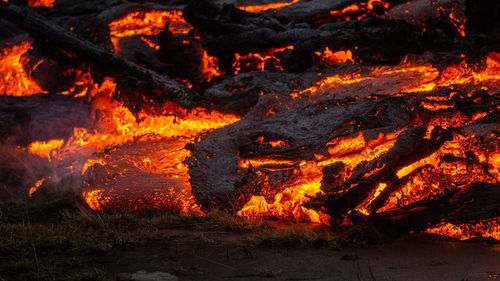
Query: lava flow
x=161, y=140
x=265, y=7
x=337, y=141
x=307, y=178
x=265, y=60
x=359, y=10
x=466, y=231
x=39, y=3
x=329, y=57
x=406, y=77
x=147, y=165
x=151, y=23
x=422, y=179
x=356, y=11
x=15, y=81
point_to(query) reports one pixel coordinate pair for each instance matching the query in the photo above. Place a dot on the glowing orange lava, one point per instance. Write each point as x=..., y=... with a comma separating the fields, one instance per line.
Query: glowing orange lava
x=38, y=3
x=136, y=161
x=329, y=57
x=412, y=77
x=43, y=149
x=150, y=43
x=34, y=188
x=149, y=23
x=265, y=7
x=434, y=173
x=164, y=136
x=258, y=61
x=466, y=231
x=210, y=66
x=288, y=204
x=14, y=80
x=93, y=199
x=359, y=10
x=363, y=207
x=455, y=14
x=354, y=150
x=274, y=143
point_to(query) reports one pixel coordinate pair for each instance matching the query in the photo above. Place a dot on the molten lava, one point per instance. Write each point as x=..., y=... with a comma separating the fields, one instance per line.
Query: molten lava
x=137, y=161
x=455, y=13
x=43, y=149
x=265, y=7
x=259, y=61
x=360, y=10
x=210, y=66
x=38, y=3
x=15, y=81
x=410, y=77
x=433, y=174
x=34, y=188
x=466, y=231
x=149, y=23
x=426, y=177
x=307, y=177
x=158, y=157
x=329, y=57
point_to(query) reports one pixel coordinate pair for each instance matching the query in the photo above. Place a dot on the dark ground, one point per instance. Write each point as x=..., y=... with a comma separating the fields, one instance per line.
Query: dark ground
x=53, y=236
x=409, y=259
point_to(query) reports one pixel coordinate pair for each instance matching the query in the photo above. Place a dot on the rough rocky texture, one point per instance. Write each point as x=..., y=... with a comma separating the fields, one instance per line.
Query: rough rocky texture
x=214, y=161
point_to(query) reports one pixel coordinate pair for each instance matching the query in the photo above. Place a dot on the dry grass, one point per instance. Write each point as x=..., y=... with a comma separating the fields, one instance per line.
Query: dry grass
x=299, y=236
x=306, y=236
x=54, y=236
x=360, y=235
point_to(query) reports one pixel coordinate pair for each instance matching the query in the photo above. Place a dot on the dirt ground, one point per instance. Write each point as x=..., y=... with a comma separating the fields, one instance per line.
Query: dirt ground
x=224, y=256
x=46, y=237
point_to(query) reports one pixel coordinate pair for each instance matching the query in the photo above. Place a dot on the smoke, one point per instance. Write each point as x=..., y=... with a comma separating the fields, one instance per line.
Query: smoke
x=19, y=170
